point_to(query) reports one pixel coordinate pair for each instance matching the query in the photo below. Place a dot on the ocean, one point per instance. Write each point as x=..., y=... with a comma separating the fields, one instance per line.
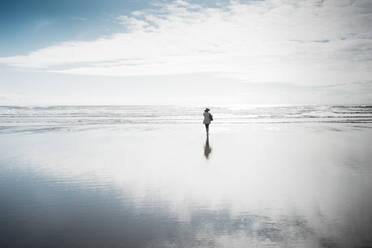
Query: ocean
x=22, y=119
x=149, y=176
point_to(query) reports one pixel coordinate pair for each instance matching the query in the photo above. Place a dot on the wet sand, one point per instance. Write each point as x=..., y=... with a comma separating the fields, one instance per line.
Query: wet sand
x=252, y=185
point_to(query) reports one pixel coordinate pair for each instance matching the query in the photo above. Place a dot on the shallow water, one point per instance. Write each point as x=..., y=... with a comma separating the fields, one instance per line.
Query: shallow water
x=161, y=184
x=54, y=118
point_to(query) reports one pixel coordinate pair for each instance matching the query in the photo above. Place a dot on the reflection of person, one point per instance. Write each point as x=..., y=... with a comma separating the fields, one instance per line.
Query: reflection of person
x=207, y=148
x=207, y=119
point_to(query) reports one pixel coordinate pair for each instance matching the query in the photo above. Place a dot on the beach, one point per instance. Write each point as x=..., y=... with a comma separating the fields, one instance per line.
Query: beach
x=156, y=181
x=186, y=124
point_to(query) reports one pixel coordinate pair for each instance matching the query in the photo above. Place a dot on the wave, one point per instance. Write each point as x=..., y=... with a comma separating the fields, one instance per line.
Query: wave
x=29, y=118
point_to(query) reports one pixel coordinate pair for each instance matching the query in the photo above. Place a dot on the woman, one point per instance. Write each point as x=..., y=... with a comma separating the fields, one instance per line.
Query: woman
x=207, y=119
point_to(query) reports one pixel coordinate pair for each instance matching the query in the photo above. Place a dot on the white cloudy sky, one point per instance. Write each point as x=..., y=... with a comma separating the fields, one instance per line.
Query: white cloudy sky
x=272, y=51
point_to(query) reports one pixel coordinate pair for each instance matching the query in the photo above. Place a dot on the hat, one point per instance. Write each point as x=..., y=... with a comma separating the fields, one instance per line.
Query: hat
x=206, y=109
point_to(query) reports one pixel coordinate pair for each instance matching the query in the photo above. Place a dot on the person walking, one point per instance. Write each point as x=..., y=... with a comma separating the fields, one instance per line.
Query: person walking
x=207, y=119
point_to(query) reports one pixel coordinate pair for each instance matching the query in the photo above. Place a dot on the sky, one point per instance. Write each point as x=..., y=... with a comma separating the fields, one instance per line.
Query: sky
x=185, y=52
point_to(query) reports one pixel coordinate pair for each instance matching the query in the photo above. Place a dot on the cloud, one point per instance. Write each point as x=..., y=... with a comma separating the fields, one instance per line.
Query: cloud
x=41, y=24
x=307, y=41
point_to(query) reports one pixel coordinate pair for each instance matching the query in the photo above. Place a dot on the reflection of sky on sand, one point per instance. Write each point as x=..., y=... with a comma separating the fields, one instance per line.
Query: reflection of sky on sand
x=274, y=185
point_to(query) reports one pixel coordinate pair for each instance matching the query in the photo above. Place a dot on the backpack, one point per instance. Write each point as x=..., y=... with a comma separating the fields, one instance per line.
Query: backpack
x=211, y=116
